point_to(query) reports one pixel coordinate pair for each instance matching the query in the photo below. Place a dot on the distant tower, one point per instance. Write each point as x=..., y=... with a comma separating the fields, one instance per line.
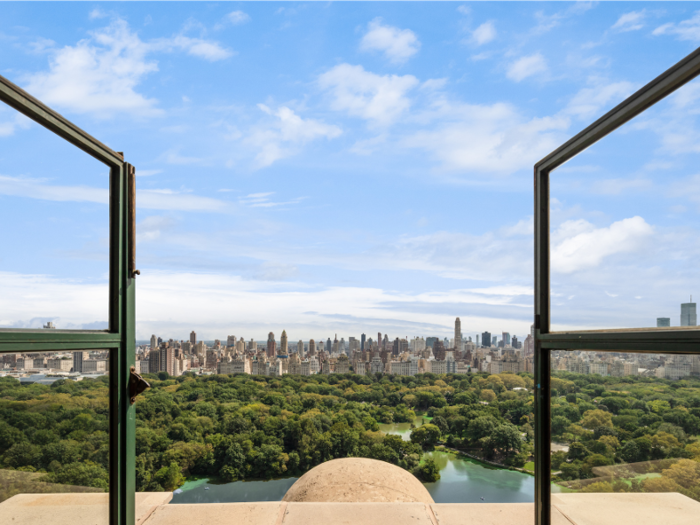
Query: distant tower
x=329, y=346
x=271, y=350
x=312, y=348
x=458, y=334
x=663, y=321
x=486, y=339
x=300, y=348
x=154, y=341
x=379, y=339
x=689, y=316
x=193, y=338
x=283, y=343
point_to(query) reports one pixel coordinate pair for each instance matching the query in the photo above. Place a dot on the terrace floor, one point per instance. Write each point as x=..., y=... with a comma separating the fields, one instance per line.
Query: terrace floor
x=153, y=508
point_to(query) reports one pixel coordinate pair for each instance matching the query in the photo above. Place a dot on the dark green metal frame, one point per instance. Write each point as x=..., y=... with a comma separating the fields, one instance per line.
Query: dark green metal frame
x=119, y=339
x=684, y=340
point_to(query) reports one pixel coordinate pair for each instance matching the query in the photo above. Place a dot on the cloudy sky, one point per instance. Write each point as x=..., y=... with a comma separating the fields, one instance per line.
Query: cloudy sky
x=345, y=168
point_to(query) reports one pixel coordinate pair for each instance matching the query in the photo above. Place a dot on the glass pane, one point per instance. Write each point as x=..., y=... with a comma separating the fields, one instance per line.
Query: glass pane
x=626, y=221
x=54, y=208
x=627, y=424
x=54, y=437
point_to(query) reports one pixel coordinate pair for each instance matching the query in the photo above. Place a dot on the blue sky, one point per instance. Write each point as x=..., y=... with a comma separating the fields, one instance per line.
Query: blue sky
x=345, y=168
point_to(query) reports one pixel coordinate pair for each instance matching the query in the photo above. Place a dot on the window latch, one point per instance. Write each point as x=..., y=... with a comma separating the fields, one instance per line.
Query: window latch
x=137, y=385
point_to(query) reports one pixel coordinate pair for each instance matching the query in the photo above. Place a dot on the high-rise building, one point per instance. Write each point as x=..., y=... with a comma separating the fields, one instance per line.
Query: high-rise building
x=486, y=339
x=284, y=346
x=458, y=335
x=231, y=341
x=329, y=346
x=271, y=349
x=689, y=316
x=193, y=338
x=379, y=338
x=363, y=338
x=430, y=341
x=78, y=358
x=300, y=348
x=154, y=341
x=312, y=348
x=506, y=338
x=663, y=321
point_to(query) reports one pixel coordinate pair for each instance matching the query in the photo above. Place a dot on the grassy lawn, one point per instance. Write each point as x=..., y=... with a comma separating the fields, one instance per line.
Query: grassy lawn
x=530, y=465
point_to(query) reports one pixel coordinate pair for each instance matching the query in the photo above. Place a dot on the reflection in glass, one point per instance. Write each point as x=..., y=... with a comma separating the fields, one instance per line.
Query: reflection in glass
x=54, y=208
x=626, y=423
x=625, y=223
x=54, y=429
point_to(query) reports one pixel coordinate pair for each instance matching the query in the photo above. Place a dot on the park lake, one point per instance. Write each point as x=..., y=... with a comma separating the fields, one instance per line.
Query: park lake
x=462, y=480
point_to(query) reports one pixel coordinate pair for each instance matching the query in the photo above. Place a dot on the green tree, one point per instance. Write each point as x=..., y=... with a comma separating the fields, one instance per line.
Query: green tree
x=428, y=471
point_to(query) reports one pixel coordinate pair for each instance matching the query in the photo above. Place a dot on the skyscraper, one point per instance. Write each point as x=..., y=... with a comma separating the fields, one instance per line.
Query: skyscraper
x=284, y=350
x=664, y=321
x=486, y=339
x=329, y=346
x=689, y=316
x=300, y=348
x=312, y=348
x=193, y=338
x=154, y=341
x=458, y=334
x=78, y=358
x=271, y=349
x=363, y=338
x=506, y=338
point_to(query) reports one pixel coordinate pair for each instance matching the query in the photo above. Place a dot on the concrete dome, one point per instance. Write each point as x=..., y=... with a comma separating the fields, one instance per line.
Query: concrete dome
x=358, y=480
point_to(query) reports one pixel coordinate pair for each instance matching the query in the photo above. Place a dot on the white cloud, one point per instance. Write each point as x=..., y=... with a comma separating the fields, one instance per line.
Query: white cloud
x=579, y=245
x=479, y=139
x=285, y=133
x=484, y=34
x=465, y=10
x=150, y=228
x=548, y=22
x=631, y=21
x=96, y=13
x=589, y=102
x=237, y=18
x=173, y=156
x=526, y=67
x=155, y=199
x=10, y=125
x=28, y=299
x=376, y=98
x=620, y=186
x=262, y=200
x=197, y=47
x=398, y=45
x=99, y=74
x=685, y=30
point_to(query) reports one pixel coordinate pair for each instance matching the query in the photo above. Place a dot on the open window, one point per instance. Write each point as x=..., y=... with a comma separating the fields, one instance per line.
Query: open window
x=48, y=350
x=611, y=304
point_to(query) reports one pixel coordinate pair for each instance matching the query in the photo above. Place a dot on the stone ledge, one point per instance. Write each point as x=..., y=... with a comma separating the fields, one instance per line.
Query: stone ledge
x=153, y=509
x=74, y=508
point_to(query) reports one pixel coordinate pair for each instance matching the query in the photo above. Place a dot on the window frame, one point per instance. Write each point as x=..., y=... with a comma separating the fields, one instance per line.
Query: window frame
x=676, y=340
x=120, y=337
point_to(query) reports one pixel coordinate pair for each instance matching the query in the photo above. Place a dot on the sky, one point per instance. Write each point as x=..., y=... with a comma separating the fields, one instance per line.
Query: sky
x=348, y=168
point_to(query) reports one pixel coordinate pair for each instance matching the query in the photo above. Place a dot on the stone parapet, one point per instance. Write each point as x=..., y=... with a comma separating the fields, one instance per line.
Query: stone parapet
x=153, y=509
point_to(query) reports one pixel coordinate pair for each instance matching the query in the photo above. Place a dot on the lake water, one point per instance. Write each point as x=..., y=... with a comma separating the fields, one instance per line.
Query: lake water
x=462, y=480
